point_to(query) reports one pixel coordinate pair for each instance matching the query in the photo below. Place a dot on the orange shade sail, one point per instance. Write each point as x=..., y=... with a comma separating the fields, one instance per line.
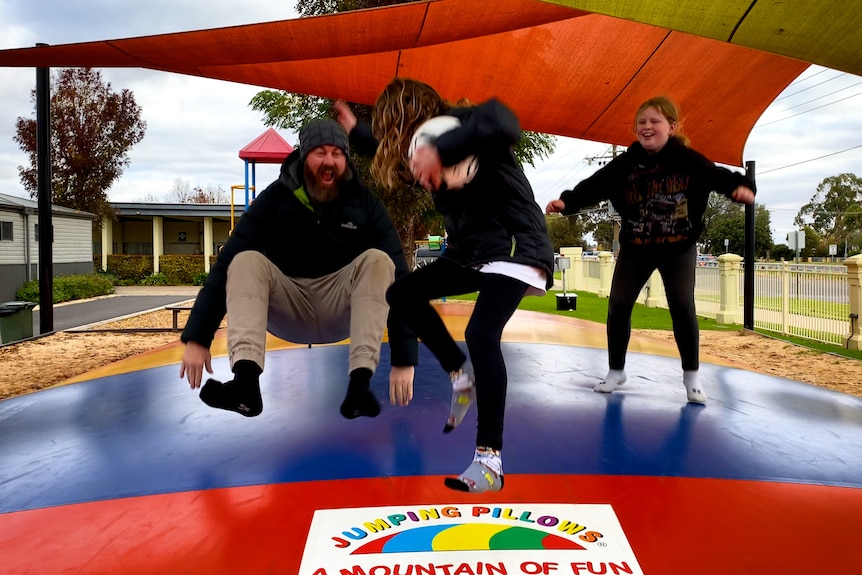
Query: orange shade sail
x=816, y=31
x=563, y=71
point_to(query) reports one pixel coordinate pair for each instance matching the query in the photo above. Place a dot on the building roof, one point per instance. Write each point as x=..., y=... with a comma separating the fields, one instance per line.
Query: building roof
x=151, y=209
x=268, y=148
x=23, y=205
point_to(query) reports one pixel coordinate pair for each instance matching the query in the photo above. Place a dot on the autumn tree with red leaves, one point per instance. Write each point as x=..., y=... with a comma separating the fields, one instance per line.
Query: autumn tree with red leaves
x=92, y=130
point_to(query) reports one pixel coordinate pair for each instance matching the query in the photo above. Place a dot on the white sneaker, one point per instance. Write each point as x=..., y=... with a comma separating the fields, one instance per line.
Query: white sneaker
x=693, y=388
x=463, y=396
x=485, y=473
x=614, y=379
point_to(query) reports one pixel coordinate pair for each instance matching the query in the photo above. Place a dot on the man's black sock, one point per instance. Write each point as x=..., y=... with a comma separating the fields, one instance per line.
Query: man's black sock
x=245, y=369
x=241, y=394
x=360, y=401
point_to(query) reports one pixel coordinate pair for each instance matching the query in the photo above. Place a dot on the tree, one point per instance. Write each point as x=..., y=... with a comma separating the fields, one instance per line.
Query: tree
x=782, y=252
x=565, y=231
x=307, y=8
x=410, y=207
x=603, y=234
x=182, y=193
x=92, y=130
x=725, y=219
x=835, y=211
x=815, y=245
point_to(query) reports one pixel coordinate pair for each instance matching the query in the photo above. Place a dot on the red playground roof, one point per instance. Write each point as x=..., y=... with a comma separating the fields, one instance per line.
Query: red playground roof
x=268, y=148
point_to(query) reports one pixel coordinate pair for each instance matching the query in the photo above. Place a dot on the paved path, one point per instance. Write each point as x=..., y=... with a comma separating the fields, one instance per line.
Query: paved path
x=126, y=301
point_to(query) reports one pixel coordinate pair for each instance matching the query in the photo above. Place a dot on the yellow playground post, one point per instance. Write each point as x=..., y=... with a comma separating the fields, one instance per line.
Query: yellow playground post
x=232, y=190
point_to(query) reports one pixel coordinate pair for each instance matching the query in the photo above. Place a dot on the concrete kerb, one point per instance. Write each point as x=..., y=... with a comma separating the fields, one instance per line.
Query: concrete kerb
x=191, y=291
x=95, y=325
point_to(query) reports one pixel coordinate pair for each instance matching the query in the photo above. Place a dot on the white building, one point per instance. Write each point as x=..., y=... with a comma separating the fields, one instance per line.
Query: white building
x=19, y=250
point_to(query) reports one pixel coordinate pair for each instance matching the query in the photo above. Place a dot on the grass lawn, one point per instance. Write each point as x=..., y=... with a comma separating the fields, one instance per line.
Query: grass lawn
x=593, y=308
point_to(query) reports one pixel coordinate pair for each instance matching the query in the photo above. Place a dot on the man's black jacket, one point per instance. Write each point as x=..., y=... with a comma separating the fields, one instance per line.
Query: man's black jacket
x=305, y=240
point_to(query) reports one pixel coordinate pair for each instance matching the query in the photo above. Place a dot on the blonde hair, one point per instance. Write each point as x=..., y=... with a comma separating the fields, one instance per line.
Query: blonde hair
x=667, y=108
x=402, y=107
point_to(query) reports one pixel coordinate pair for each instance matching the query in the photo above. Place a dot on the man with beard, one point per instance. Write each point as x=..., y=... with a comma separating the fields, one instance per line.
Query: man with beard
x=310, y=261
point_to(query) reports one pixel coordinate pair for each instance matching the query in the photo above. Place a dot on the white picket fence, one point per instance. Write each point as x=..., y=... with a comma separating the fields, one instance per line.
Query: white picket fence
x=810, y=301
x=807, y=301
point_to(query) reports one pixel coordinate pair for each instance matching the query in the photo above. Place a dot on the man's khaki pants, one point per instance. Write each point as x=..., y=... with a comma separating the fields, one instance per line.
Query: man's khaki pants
x=348, y=303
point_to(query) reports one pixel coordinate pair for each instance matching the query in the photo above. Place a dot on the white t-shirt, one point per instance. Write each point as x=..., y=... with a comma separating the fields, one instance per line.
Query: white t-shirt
x=532, y=276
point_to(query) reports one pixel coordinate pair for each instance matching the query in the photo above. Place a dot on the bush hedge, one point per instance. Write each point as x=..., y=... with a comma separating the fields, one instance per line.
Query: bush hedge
x=134, y=268
x=173, y=269
x=68, y=288
x=181, y=269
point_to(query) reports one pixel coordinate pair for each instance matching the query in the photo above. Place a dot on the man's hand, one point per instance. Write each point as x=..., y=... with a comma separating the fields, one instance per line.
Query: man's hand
x=346, y=117
x=195, y=359
x=555, y=206
x=743, y=195
x=401, y=385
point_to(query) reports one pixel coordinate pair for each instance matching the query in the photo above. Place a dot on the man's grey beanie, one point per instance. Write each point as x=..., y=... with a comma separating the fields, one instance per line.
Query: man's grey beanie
x=321, y=132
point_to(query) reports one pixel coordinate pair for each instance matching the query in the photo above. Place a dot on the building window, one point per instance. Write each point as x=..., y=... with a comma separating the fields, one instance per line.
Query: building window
x=6, y=232
x=36, y=231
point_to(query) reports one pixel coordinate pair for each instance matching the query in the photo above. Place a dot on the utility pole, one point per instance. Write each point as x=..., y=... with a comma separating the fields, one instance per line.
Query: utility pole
x=615, y=216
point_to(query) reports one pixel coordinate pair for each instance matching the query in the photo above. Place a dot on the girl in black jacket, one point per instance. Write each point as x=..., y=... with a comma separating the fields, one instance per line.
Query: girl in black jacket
x=497, y=245
x=660, y=188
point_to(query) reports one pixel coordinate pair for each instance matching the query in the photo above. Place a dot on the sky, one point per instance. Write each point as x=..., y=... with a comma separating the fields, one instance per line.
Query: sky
x=196, y=126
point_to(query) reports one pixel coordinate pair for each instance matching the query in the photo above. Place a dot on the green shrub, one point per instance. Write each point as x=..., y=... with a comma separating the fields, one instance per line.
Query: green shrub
x=68, y=288
x=133, y=268
x=181, y=269
x=177, y=269
x=200, y=278
x=157, y=279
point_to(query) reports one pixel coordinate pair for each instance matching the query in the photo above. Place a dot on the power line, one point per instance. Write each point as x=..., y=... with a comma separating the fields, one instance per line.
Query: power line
x=805, y=79
x=824, y=96
x=806, y=111
x=760, y=173
x=604, y=158
x=810, y=87
x=567, y=177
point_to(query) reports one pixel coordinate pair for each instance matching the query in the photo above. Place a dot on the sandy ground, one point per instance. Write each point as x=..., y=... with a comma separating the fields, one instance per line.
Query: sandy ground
x=36, y=364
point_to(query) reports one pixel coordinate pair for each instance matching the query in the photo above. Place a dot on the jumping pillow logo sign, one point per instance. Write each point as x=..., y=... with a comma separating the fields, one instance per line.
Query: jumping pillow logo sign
x=462, y=539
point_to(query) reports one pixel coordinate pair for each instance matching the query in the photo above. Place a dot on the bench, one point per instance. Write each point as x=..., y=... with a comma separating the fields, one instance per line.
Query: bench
x=176, y=309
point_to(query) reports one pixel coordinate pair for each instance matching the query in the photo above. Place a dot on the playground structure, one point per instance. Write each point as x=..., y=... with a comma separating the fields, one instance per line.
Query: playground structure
x=267, y=148
x=248, y=199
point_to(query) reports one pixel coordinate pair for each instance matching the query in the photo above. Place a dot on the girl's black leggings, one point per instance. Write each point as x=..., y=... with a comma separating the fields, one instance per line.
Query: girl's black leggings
x=633, y=268
x=498, y=299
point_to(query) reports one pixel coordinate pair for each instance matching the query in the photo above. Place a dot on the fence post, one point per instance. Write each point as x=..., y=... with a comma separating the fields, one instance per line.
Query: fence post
x=854, y=283
x=728, y=289
x=575, y=275
x=785, y=298
x=107, y=241
x=655, y=291
x=606, y=273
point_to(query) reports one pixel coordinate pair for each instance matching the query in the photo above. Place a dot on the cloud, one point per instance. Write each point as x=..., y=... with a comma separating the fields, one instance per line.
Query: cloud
x=196, y=126
x=798, y=142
